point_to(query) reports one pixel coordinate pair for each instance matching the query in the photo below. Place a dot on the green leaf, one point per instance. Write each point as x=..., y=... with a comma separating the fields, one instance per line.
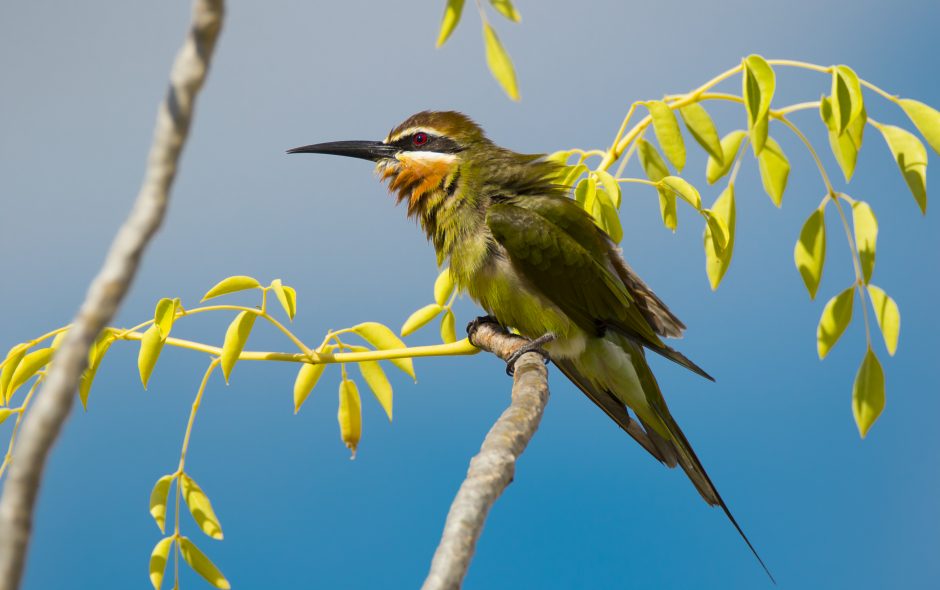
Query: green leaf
x=420, y=318
x=443, y=286
x=606, y=213
x=610, y=185
x=27, y=367
x=574, y=172
x=656, y=169
x=232, y=285
x=505, y=8
x=758, y=91
x=448, y=327
x=667, y=209
x=10, y=362
x=235, y=338
x=350, y=414
x=286, y=296
x=730, y=144
x=925, y=118
x=716, y=229
x=845, y=147
x=158, y=498
x=150, y=347
x=774, y=170
x=683, y=189
x=158, y=558
x=164, y=315
x=200, y=508
x=382, y=338
x=500, y=64
x=307, y=378
x=95, y=356
x=201, y=564
x=717, y=260
x=888, y=316
x=702, y=128
x=911, y=157
x=377, y=381
x=847, y=102
x=868, y=393
x=668, y=133
x=810, y=251
x=452, y=13
x=866, y=235
x=5, y=413
x=835, y=319
x=585, y=193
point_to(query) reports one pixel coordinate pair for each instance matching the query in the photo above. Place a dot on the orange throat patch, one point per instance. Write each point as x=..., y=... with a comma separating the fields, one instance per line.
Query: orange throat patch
x=413, y=175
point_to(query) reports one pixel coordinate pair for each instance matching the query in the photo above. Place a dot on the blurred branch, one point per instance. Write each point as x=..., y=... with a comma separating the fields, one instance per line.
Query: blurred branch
x=45, y=420
x=492, y=469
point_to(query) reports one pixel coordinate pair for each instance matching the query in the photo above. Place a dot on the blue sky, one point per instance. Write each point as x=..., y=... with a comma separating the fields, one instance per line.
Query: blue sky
x=588, y=508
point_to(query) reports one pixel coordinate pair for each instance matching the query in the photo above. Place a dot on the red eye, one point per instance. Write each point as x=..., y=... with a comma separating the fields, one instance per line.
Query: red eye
x=420, y=138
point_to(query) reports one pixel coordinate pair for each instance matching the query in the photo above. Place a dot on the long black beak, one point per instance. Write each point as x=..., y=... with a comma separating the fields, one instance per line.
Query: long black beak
x=367, y=150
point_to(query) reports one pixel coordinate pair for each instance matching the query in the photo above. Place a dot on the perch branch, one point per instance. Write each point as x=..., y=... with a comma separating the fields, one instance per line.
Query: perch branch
x=43, y=423
x=491, y=470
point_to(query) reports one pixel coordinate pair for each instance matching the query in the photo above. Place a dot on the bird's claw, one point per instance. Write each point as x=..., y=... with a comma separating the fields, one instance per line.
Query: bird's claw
x=531, y=346
x=475, y=324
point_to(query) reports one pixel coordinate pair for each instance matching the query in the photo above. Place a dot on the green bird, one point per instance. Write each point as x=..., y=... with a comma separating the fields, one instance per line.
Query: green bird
x=534, y=259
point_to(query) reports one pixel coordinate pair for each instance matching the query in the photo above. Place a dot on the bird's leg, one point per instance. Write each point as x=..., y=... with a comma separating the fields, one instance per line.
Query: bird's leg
x=532, y=346
x=477, y=322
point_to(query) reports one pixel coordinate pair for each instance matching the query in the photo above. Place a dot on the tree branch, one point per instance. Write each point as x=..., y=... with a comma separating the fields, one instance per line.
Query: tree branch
x=43, y=423
x=491, y=470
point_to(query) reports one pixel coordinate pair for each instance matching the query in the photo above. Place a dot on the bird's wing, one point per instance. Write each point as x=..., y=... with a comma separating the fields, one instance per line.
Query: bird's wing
x=555, y=244
x=662, y=320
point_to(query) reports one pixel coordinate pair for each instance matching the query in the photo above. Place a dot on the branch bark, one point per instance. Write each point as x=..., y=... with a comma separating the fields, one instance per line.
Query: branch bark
x=492, y=469
x=42, y=425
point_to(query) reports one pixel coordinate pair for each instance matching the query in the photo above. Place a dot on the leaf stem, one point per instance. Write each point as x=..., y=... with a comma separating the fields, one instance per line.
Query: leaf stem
x=8, y=458
x=856, y=263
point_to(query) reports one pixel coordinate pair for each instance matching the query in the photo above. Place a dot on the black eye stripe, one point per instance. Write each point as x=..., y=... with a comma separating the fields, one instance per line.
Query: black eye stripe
x=434, y=143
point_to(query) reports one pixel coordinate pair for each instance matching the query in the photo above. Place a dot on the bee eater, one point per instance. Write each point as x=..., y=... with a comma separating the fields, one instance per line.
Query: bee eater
x=535, y=261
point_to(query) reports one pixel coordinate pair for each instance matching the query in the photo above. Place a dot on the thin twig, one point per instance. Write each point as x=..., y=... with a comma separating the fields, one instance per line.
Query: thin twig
x=491, y=470
x=43, y=423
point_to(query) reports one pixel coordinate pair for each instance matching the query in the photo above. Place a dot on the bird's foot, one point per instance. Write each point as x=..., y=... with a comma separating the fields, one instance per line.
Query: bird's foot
x=532, y=346
x=475, y=324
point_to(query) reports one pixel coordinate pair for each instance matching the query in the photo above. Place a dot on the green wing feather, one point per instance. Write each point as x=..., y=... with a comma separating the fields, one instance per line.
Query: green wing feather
x=555, y=244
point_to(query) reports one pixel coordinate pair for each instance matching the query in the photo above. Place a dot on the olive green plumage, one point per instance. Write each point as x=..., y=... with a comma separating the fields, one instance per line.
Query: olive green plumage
x=536, y=261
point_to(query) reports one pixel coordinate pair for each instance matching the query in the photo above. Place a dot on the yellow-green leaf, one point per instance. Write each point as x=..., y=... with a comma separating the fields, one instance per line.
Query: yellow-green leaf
x=10, y=363
x=845, y=147
x=158, y=558
x=201, y=564
x=350, y=414
x=888, y=316
x=847, y=102
x=95, y=356
x=448, y=327
x=702, y=128
x=27, y=367
x=774, y=170
x=306, y=380
x=164, y=315
x=158, y=498
x=150, y=347
x=868, y=393
x=382, y=338
x=656, y=169
x=585, y=193
x=505, y=8
x=758, y=92
x=377, y=381
x=500, y=64
x=835, y=319
x=58, y=340
x=866, y=236
x=606, y=214
x=730, y=144
x=668, y=133
x=911, y=157
x=717, y=230
x=717, y=260
x=810, y=251
x=235, y=338
x=200, y=508
x=683, y=189
x=452, y=13
x=231, y=285
x=925, y=118
x=574, y=173
x=443, y=286
x=420, y=318
x=287, y=297
x=667, y=208
x=5, y=413
x=610, y=185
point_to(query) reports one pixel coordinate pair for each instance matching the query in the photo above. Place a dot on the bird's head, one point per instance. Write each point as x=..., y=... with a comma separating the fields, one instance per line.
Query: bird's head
x=422, y=154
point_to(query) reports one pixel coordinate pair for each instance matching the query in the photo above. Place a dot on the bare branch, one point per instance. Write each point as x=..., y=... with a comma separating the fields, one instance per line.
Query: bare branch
x=491, y=470
x=43, y=423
